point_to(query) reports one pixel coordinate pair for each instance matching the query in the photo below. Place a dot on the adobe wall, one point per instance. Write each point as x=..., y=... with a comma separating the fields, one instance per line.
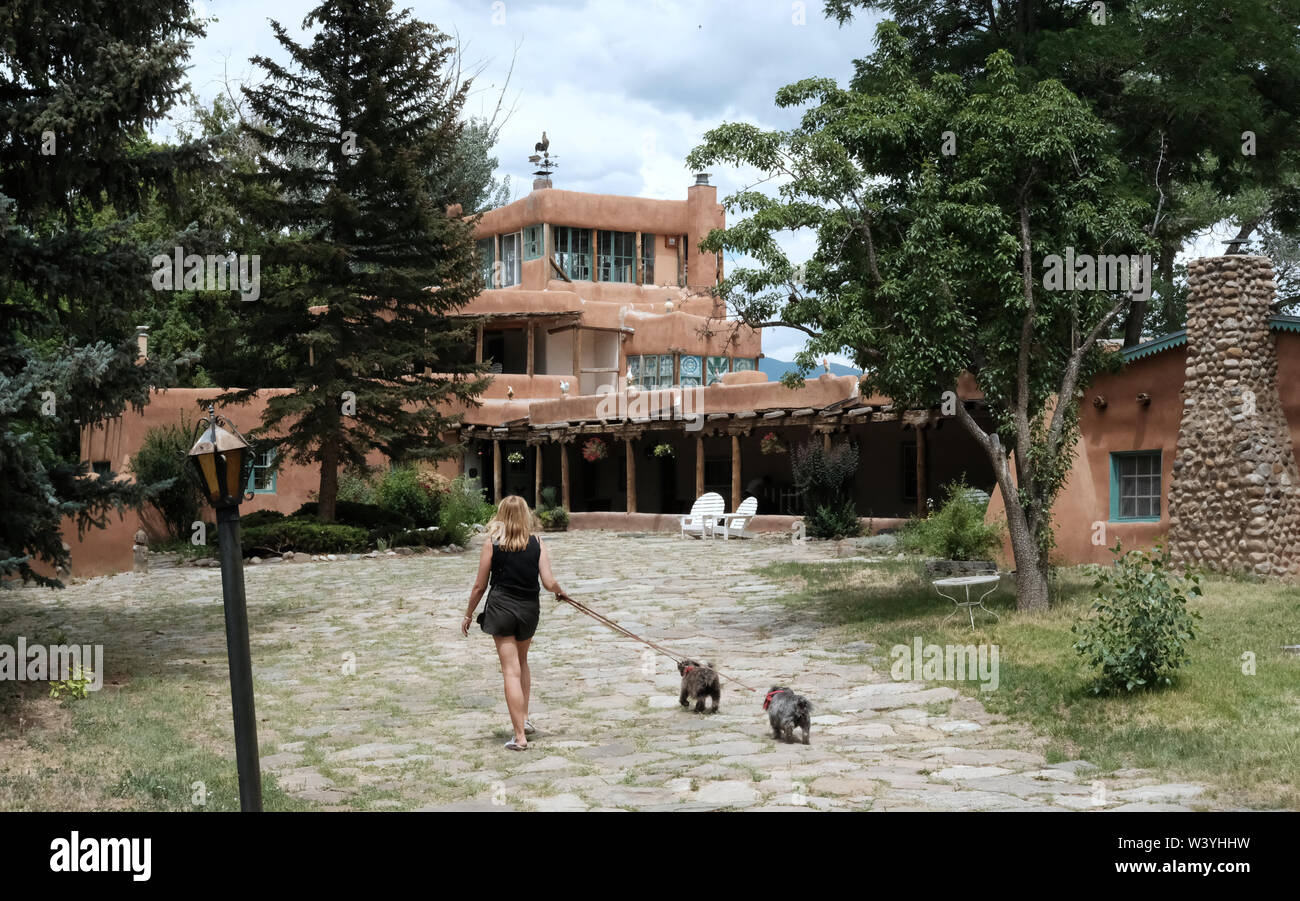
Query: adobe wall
x=1234, y=501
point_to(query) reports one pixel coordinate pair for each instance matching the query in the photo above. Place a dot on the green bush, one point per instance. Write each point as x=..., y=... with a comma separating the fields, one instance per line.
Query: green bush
x=435, y=537
x=163, y=461
x=356, y=487
x=463, y=505
x=380, y=523
x=834, y=521
x=259, y=518
x=554, y=519
x=401, y=492
x=956, y=531
x=820, y=476
x=305, y=535
x=1140, y=626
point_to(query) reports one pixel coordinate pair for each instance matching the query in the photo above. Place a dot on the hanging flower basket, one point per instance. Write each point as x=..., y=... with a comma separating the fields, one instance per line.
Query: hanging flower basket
x=515, y=457
x=595, y=449
x=663, y=451
x=771, y=444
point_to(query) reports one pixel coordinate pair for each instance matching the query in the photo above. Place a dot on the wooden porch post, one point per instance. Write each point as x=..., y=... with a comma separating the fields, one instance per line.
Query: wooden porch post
x=537, y=476
x=531, y=343
x=478, y=345
x=735, y=472
x=826, y=442
x=564, y=478
x=577, y=360
x=922, y=489
x=496, y=471
x=630, y=451
x=699, y=465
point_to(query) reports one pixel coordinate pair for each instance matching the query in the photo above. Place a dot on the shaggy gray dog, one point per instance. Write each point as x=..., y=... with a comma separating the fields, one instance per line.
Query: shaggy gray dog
x=699, y=681
x=787, y=710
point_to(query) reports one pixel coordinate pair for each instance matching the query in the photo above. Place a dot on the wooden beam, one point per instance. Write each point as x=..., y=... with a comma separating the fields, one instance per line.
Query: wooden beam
x=558, y=271
x=735, y=472
x=826, y=442
x=564, y=478
x=699, y=465
x=496, y=471
x=922, y=489
x=629, y=449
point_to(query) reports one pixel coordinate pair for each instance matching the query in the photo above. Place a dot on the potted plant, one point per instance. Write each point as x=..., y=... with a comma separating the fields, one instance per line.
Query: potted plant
x=552, y=516
x=595, y=449
x=771, y=444
x=515, y=457
x=663, y=451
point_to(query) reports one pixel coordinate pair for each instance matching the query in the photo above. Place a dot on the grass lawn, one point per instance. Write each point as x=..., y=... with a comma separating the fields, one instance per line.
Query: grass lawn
x=1237, y=733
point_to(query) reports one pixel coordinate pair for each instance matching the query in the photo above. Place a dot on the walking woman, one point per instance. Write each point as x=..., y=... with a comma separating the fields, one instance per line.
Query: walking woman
x=515, y=559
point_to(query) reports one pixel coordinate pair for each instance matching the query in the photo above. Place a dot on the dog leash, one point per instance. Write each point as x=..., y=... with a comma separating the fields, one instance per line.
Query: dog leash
x=679, y=658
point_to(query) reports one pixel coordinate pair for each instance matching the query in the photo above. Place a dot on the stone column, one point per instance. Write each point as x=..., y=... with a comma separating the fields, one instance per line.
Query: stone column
x=1234, y=500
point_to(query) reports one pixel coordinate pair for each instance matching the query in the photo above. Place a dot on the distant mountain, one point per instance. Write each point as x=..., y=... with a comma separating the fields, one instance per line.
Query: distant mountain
x=777, y=368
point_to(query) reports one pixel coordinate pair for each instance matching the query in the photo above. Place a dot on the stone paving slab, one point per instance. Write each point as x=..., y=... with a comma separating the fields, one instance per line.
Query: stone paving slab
x=420, y=721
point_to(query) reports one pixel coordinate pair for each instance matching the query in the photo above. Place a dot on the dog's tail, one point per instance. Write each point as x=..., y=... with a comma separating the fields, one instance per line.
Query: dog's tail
x=803, y=705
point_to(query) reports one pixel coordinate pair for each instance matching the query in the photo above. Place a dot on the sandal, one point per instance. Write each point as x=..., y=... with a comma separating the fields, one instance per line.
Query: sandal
x=529, y=728
x=513, y=745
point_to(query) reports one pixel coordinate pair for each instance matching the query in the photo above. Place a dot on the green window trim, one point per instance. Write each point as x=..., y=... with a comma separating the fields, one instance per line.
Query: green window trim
x=534, y=236
x=1146, y=469
x=573, y=252
x=647, y=258
x=262, y=473
x=486, y=259
x=617, y=256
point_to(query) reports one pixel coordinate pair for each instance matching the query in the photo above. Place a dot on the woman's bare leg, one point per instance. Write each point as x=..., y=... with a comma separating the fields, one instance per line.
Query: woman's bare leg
x=525, y=675
x=516, y=699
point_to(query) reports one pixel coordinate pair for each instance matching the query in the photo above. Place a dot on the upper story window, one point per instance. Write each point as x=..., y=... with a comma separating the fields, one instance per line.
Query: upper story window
x=262, y=478
x=508, y=271
x=486, y=257
x=534, y=237
x=647, y=259
x=617, y=256
x=573, y=252
x=1135, y=486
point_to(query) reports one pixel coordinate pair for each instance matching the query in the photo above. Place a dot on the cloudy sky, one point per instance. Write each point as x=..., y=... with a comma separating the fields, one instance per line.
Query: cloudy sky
x=624, y=88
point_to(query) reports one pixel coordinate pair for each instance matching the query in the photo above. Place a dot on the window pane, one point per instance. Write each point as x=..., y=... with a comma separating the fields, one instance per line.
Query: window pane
x=617, y=255
x=509, y=268
x=532, y=242
x=647, y=259
x=717, y=367
x=742, y=364
x=691, y=368
x=1126, y=506
x=486, y=257
x=573, y=252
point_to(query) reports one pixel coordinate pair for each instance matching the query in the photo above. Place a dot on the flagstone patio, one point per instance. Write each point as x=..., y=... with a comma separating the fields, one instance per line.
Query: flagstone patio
x=369, y=698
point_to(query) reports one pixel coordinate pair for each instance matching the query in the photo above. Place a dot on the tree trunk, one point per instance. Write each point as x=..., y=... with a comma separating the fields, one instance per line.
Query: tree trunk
x=329, y=481
x=1031, y=568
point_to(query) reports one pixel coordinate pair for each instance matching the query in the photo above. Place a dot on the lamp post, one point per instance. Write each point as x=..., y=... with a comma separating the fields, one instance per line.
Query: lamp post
x=219, y=455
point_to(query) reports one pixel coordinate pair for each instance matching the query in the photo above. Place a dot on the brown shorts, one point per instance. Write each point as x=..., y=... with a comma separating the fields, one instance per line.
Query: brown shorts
x=505, y=614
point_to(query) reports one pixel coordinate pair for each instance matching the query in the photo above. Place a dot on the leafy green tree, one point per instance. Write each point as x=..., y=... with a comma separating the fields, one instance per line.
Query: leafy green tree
x=358, y=143
x=928, y=263
x=1203, y=100
x=80, y=85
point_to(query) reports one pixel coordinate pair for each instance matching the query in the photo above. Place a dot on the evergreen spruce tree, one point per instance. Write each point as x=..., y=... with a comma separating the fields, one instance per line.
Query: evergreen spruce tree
x=80, y=84
x=358, y=150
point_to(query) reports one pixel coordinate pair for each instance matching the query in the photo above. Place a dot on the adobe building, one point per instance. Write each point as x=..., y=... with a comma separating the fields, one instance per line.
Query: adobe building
x=619, y=382
x=1193, y=442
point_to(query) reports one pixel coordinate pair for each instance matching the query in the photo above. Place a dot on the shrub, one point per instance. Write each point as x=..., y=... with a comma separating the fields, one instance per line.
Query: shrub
x=463, y=505
x=957, y=531
x=357, y=487
x=163, y=461
x=306, y=535
x=820, y=476
x=402, y=492
x=435, y=537
x=380, y=523
x=554, y=519
x=1139, y=627
x=259, y=518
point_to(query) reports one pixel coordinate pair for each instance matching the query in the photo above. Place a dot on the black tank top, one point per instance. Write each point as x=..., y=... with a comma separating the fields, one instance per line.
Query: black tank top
x=515, y=572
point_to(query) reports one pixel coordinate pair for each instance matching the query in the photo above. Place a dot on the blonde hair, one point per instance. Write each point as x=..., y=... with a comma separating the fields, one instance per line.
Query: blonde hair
x=512, y=525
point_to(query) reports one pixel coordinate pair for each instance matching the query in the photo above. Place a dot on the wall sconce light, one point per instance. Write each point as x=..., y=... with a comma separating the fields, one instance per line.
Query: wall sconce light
x=1099, y=401
x=1144, y=399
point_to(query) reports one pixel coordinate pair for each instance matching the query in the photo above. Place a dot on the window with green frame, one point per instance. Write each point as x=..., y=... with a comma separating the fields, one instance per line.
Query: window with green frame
x=534, y=236
x=651, y=370
x=486, y=257
x=508, y=271
x=1135, y=486
x=648, y=260
x=573, y=252
x=743, y=364
x=617, y=256
x=261, y=479
x=692, y=370
x=715, y=369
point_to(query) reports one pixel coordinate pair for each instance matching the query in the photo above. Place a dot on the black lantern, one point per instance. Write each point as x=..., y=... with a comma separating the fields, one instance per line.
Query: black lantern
x=220, y=455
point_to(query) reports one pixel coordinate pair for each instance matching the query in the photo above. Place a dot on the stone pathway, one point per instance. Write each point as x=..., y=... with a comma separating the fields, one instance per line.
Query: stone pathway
x=368, y=697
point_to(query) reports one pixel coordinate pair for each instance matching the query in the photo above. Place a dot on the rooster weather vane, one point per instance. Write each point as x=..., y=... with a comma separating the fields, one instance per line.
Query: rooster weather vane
x=542, y=159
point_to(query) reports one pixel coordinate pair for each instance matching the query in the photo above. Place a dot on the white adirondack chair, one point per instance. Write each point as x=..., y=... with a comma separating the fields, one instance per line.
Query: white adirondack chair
x=735, y=524
x=704, y=513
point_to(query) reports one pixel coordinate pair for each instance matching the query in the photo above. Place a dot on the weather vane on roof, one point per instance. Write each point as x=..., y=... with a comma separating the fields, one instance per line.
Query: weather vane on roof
x=542, y=159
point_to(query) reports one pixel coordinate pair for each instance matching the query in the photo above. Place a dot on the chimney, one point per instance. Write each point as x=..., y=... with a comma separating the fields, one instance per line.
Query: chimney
x=142, y=341
x=542, y=181
x=1234, y=499
x=701, y=178
x=703, y=214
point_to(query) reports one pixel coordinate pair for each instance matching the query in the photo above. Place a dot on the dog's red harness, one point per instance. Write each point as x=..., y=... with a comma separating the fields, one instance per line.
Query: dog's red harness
x=687, y=669
x=770, y=694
